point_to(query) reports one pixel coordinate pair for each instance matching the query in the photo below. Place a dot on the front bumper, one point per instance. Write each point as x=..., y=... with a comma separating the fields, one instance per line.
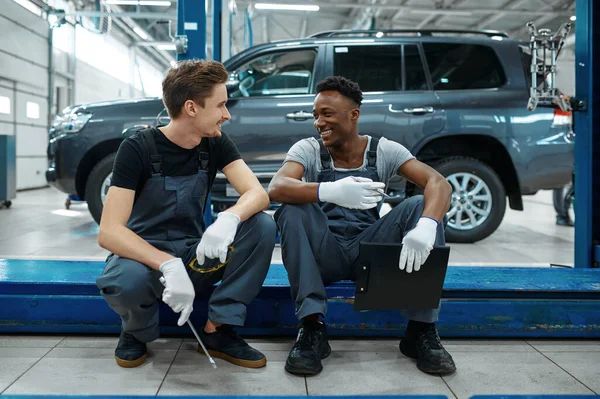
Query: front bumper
x=64, y=154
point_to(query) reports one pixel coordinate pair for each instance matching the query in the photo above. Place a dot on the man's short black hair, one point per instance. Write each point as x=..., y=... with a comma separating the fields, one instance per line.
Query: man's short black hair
x=344, y=86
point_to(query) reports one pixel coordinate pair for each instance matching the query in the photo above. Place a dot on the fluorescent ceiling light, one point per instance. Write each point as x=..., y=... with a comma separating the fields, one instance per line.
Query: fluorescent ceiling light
x=141, y=33
x=287, y=7
x=166, y=47
x=158, y=3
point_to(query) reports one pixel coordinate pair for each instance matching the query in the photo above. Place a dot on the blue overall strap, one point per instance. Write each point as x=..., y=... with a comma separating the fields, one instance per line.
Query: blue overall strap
x=325, y=157
x=155, y=157
x=372, y=152
x=203, y=155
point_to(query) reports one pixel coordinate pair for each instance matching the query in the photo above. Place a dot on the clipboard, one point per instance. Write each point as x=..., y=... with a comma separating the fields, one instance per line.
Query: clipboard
x=381, y=285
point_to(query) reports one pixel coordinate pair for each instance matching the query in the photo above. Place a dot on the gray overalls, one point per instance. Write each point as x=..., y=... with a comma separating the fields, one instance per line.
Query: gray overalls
x=168, y=214
x=320, y=241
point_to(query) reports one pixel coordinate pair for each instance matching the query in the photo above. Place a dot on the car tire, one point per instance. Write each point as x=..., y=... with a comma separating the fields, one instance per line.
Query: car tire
x=93, y=188
x=478, y=170
x=457, y=166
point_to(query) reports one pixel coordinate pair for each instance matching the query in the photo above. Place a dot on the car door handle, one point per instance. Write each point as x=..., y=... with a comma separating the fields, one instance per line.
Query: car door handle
x=299, y=116
x=414, y=111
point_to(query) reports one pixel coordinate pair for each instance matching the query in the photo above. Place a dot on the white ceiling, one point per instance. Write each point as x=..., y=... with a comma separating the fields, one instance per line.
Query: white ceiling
x=509, y=16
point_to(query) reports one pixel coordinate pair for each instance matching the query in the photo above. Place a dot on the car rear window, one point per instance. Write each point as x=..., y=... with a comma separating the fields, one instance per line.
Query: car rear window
x=458, y=66
x=374, y=68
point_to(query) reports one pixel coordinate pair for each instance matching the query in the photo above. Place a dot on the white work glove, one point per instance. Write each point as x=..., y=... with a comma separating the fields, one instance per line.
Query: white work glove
x=217, y=238
x=179, y=292
x=417, y=244
x=352, y=192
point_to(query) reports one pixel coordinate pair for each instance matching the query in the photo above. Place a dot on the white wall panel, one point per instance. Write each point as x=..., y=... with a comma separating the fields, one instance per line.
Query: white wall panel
x=95, y=85
x=19, y=70
x=22, y=110
x=24, y=60
x=31, y=172
x=565, y=76
x=31, y=141
x=7, y=103
x=7, y=129
x=16, y=12
x=20, y=41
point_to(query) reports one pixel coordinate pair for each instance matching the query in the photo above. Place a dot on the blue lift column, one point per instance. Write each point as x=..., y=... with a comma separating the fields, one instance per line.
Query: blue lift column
x=587, y=153
x=191, y=21
x=217, y=10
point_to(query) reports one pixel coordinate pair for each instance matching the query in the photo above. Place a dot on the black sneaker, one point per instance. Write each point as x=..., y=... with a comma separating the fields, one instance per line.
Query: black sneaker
x=564, y=221
x=130, y=352
x=226, y=344
x=426, y=347
x=311, y=347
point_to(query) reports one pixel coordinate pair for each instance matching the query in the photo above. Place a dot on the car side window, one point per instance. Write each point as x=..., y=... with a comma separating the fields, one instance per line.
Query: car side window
x=459, y=66
x=289, y=72
x=414, y=70
x=374, y=68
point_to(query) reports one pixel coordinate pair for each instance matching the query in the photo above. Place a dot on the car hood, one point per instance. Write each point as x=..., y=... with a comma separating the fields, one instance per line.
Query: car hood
x=93, y=106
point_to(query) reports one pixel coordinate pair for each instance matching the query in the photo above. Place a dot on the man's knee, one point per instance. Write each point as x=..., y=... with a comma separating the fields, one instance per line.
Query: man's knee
x=410, y=206
x=263, y=227
x=127, y=282
x=416, y=203
x=293, y=212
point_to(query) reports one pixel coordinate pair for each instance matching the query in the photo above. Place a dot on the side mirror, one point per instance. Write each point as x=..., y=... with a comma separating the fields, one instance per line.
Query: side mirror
x=233, y=83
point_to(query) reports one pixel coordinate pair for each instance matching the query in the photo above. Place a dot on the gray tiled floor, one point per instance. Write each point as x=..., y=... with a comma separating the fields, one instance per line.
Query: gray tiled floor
x=85, y=365
x=39, y=226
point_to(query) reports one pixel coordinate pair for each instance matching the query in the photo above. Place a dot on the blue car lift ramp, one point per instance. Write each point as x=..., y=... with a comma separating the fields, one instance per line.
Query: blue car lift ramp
x=61, y=296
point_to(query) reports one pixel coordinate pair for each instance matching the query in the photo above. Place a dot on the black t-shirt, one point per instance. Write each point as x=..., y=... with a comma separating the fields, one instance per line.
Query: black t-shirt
x=132, y=166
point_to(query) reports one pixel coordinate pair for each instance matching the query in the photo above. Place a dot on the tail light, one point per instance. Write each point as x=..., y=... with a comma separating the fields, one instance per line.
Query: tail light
x=562, y=118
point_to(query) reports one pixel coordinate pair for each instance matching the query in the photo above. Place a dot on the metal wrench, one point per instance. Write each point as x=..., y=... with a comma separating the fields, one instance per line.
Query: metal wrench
x=210, y=359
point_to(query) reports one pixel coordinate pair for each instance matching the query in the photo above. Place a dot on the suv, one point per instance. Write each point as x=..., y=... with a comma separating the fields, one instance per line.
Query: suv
x=455, y=99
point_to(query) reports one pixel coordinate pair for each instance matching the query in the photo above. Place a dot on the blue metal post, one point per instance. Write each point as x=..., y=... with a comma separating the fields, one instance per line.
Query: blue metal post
x=217, y=8
x=584, y=129
x=191, y=21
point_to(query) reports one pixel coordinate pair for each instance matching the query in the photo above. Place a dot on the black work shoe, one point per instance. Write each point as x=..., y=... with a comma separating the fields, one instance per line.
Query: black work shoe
x=226, y=344
x=130, y=352
x=311, y=347
x=426, y=347
x=564, y=221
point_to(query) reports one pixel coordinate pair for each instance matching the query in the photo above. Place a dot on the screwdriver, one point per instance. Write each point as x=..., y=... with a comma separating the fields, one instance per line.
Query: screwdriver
x=210, y=359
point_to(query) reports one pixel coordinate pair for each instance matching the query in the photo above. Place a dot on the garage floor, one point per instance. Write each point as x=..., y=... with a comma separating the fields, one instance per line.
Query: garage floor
x=38, y=226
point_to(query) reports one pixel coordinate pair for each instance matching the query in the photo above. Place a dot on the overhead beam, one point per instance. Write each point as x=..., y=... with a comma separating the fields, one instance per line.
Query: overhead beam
x=304, y=27
x=424, y=10
x=266, y=29
x=488, y=20
x=427, y=20
x=122, y=14
x=537, y=22
x=449, y=7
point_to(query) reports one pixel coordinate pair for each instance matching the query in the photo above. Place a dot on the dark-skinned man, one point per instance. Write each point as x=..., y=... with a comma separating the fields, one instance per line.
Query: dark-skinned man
x=329, y=189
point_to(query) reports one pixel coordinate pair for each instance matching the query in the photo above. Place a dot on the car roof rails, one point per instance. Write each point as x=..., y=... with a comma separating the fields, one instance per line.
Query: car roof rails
x=418, y=32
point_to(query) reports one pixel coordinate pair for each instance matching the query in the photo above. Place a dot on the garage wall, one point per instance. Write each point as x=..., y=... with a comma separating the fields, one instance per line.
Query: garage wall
x=95, y=85
x=565, y=75
x=24, y=89
x=24, y=82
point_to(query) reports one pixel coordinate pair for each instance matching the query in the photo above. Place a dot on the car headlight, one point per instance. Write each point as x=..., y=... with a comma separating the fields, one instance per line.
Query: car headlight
x=73, y=123
x=69, y=123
